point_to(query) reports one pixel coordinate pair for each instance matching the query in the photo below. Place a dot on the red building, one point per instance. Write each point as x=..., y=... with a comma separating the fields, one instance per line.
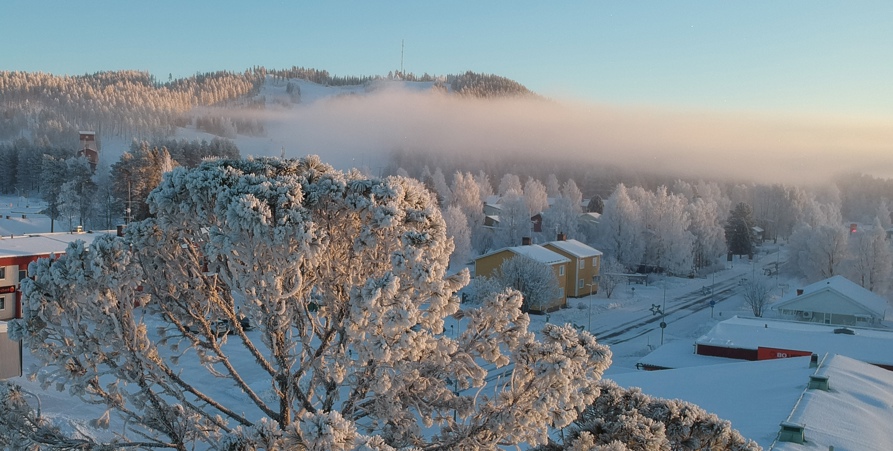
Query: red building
x=16, y=253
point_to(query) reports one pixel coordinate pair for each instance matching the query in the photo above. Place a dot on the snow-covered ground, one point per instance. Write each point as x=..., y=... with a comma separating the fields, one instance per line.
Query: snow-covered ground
x=22, y=215
x=626, y=321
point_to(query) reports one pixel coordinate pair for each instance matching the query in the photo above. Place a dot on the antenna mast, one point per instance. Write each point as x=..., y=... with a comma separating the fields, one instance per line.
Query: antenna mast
x=401, y=58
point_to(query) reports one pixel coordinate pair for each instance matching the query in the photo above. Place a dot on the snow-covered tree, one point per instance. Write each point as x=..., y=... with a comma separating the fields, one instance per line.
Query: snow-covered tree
x=818, y=252
x=595, y=205
x=553, y=186
x=484, y=186
x=621, y=228
x=344, y=280
x=610, y=276
x=535, y=196
x=668, y=243
x=514, y=222
x=52, y=177
x=480, y=289
x=466, y=194
x=510, y=182
x=441, y=188
x=69, y=203
x=535, y=280
x=756, y=294
x=738, y=230
x=564, y=215
x=136, y=174
x=79, y=178
x=457, y=229
x=709, y=234
x=629, y=420
x=873, y=259
x=884, y=214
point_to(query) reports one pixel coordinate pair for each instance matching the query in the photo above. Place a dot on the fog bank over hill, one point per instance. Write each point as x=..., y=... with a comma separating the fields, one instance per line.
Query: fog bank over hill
x=360, y=129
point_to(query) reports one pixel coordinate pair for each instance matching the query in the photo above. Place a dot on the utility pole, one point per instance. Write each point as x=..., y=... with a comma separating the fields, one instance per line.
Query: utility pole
x=402, y=46
x=589, y=328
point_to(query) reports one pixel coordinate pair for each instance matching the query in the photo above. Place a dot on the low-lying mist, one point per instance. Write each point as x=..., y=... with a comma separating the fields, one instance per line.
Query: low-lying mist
x=361, y=130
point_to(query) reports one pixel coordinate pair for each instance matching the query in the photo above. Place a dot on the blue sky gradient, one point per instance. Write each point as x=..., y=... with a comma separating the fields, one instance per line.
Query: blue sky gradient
x=792, y=57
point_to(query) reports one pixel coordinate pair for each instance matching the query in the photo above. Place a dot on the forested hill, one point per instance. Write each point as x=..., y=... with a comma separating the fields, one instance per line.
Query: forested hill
x=50, y=109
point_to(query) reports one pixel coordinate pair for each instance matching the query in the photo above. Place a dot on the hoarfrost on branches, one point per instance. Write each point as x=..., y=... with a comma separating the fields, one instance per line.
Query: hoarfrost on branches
x=319, y=297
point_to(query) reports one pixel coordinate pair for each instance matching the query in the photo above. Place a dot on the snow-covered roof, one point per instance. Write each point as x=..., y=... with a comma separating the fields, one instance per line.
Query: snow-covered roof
x=854, y=414
x=576, y=248
x=679, y=354
x=844, y=287
x=868, y=345
x=757, y=396
x=540, y=254
x=493, y=200
x=42, y=244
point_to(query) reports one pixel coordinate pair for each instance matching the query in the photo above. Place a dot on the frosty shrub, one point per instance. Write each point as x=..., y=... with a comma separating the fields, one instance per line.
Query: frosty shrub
x=629, y=420
x=342, y=280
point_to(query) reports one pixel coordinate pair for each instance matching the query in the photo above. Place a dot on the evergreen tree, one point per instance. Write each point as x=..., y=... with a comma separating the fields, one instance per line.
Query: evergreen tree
x=739, y=230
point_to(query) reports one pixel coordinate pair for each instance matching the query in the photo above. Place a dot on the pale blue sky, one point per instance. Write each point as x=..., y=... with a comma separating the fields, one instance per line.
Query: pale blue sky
x=801, y=56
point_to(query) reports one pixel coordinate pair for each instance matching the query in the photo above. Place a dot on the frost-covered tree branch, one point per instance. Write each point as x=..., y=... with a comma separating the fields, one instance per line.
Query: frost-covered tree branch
x=314, y=302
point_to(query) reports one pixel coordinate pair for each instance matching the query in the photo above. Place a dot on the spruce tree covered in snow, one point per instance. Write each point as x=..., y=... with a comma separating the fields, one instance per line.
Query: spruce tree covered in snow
x=343, y=279
x=52, y=177
x=739, y=236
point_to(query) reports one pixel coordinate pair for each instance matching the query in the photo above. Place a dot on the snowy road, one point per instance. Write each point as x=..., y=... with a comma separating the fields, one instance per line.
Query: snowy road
x=677, y=308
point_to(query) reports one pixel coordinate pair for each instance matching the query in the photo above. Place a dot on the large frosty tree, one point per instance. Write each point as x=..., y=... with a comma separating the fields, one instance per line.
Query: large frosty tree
x=342, y=277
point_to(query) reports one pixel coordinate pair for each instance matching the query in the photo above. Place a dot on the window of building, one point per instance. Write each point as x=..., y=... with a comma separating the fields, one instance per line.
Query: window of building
x=561, y=270
x=2, y=302
x=580, y=284
x=582, y=263
x=3, y=272
x=23, y=273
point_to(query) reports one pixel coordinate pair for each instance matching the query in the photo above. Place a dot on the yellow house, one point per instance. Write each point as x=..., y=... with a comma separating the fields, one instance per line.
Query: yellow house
x=583, y=269
x=487, y=264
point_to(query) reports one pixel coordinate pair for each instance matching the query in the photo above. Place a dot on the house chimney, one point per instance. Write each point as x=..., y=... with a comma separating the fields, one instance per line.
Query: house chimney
x=120, y=230
x=792, y=432
x=525, y=241
x=562, y=236
x=814, y=361
x=799, y=291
